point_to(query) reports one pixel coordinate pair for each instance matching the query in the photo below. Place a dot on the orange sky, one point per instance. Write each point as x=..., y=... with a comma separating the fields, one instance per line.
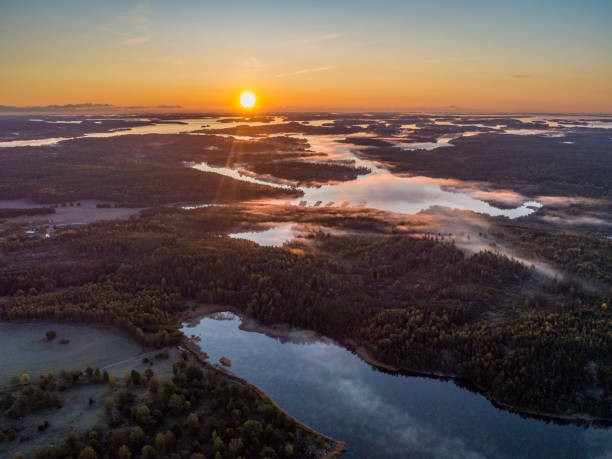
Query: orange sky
x=489, y=56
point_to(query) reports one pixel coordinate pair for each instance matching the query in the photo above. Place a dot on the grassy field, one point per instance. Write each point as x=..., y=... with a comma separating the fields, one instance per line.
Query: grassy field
x=26, y=350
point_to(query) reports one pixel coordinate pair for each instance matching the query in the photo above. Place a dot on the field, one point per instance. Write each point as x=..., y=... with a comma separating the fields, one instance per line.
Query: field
x=25, y=348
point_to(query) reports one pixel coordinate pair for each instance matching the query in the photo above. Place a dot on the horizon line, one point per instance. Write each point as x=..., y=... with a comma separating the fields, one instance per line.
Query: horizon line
x=109, y=109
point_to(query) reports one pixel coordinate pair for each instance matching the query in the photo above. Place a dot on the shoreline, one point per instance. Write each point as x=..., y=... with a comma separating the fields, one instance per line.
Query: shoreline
x=578, y=418
x=194, y=315
x=337, y=446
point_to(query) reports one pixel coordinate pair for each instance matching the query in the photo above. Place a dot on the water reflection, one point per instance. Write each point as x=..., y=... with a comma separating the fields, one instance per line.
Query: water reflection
x=181, y=126
x=236, y=174
x=382, y=415
x=383, y=190
x=272, y=237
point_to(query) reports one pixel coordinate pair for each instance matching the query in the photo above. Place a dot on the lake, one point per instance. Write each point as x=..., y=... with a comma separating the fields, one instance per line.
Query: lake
x=383, y=415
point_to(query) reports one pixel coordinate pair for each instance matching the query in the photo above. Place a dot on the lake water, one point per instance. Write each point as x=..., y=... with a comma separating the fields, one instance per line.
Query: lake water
x=380, y=189
x=381, y=415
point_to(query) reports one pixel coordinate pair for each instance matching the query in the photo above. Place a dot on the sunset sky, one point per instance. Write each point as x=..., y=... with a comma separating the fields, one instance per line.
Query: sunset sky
x=466, y=55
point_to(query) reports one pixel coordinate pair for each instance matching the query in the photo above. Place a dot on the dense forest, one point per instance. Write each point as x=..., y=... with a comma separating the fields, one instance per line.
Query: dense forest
x=416, y=303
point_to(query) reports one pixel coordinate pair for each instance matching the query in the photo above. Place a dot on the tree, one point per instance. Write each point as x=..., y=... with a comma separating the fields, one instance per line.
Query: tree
x=148, y=452
x=170, y=440
x=117, y=438
x=88, y=453
x=137, y=437
x=193, y=422
x=109, y=405
x=160, y=442
x=124, y=452
x=175, y=404
x=73, y=442
x=142, y=415
x=218, y=444
x=154, y=385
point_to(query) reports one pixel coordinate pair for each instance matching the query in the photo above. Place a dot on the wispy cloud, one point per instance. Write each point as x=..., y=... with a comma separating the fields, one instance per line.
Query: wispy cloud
x=454, y=59
x=137, y=40
x=316, y=38
x=162, y=60
x=304, y=71
x=251, y=63
x=138, y=15
x=521, y=76
x=54, y=108
x=132, y=25
x=86, y=107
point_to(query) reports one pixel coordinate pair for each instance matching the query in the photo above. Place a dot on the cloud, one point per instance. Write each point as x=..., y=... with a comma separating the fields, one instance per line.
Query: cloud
x=86, y=107
x=304, y=71
x=251, y=63
x=316, y=38
x=162, y=60
x=53, y=108
x=522, y=76
x=132, y=26
x=138, y=15
x=402, y=434
x=137, y=40
x=454, y=59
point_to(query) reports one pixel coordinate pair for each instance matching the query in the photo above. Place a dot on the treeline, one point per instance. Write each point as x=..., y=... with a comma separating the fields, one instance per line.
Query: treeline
x=32, y=211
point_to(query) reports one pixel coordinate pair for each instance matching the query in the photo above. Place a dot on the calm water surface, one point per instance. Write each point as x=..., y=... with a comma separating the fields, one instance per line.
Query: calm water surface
x=381, y=415
x=380, y=189
x=271, y=237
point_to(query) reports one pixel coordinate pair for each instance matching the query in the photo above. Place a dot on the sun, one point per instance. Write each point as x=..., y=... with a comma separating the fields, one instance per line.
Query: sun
x=247, y=99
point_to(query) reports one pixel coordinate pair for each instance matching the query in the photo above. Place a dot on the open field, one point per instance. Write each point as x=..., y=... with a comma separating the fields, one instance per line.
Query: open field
x=73, y=213
x=26, y=350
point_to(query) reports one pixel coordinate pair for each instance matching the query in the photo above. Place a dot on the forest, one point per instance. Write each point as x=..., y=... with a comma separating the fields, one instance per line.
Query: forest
x=197, y=413
x=417, y=303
